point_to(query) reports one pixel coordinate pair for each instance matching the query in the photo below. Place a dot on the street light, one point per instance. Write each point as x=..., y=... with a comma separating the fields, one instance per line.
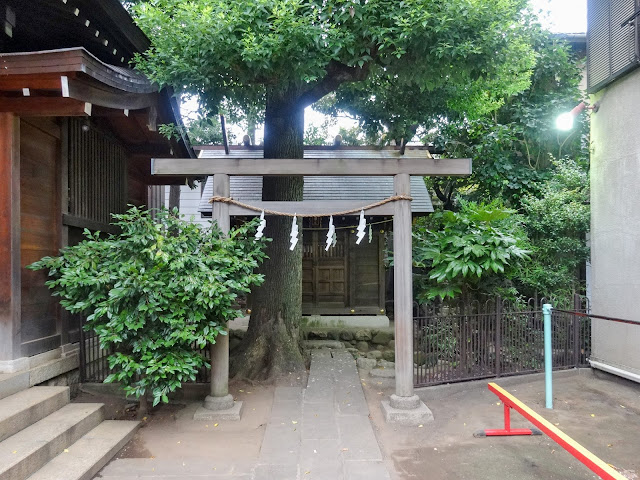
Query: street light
x=565, y=120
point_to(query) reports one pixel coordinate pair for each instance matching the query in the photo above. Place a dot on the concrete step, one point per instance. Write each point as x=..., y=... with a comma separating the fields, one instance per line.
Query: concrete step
x=316, y=344
x=28, y=407
x=11, y=383
x=28, y=450
x=87, y=456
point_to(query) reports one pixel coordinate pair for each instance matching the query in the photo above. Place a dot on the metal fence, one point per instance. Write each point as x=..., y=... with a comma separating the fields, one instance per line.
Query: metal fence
x=94, y=364
x=495, y=339
x=481, y=341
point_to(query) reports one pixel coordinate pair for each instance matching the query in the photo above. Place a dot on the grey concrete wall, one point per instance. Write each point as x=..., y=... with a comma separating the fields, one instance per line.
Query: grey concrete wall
x=615, y=223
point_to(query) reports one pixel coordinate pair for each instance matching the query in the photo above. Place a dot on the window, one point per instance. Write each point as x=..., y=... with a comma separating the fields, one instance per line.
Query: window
x=612, y=40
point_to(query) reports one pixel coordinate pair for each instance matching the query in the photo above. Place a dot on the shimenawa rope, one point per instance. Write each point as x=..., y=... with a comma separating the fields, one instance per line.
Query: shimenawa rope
x=309, y=215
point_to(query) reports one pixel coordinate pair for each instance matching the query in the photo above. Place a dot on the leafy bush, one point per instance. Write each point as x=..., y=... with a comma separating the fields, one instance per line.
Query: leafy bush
x=557, y=222
x=475, y=249
x=154, y=291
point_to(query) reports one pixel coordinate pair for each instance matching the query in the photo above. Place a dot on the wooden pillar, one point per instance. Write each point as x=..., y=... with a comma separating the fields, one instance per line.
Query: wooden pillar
x=219, y=399
x=403, y=288
x=9, y=241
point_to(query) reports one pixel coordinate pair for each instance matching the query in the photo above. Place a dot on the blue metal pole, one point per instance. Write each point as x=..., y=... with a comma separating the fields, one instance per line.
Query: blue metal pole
x=548, y=364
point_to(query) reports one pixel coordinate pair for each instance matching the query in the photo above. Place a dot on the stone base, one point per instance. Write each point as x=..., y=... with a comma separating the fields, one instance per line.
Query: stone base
x=366, y=321
x=232, y=413
x=13, y=366
x=218, y=403
x=413, y=416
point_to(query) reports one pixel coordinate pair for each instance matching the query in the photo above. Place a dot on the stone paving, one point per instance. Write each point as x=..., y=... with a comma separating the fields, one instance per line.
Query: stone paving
x=321, y=432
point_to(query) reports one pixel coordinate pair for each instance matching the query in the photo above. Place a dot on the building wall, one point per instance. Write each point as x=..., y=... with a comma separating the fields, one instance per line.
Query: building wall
x=39, y=231
x=615, y=223
x=189, y=201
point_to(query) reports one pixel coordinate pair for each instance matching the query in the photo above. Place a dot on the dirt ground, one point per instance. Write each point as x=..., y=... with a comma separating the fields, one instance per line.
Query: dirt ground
x=600, y=411
x=169, y=434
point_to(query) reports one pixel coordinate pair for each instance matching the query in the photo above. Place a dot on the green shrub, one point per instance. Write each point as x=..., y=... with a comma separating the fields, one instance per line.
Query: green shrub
x=154, y=291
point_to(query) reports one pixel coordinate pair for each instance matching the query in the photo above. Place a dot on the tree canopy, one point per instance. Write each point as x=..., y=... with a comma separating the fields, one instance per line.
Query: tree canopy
x=236, y=51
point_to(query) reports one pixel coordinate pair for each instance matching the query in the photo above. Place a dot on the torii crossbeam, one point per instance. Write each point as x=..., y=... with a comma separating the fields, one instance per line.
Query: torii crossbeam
x=404, y=406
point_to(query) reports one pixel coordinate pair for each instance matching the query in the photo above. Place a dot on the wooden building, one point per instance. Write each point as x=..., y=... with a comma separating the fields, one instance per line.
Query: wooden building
x=348, y=279
x=77, y=131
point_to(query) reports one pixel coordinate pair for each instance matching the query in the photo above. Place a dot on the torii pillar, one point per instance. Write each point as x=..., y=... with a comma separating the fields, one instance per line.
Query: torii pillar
x=404, y=407
x=219, y=404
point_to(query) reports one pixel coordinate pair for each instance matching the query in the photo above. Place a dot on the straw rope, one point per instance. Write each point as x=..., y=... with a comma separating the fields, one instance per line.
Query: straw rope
x=310, y=215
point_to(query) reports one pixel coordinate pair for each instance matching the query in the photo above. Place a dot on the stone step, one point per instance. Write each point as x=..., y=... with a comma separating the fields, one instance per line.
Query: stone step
x=316, y=344
x=27, y=407
x=28, y=450
x=11, y=383
x=86, y=457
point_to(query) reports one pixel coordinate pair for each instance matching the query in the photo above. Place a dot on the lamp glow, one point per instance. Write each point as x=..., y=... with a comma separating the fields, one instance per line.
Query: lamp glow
x=564, y=121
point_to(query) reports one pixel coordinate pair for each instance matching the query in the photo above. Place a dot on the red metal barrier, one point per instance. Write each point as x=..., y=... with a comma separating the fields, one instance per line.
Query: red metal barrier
x=592, y=462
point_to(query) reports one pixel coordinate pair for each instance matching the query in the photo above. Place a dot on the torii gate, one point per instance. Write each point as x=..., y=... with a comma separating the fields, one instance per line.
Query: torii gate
x=404, y=406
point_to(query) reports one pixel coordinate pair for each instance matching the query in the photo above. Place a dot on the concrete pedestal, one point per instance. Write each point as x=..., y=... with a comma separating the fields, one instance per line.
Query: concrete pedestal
x=406, y=410
x=219, y=408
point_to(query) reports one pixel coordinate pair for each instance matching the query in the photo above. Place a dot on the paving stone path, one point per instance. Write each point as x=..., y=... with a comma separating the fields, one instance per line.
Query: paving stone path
x=321, y=432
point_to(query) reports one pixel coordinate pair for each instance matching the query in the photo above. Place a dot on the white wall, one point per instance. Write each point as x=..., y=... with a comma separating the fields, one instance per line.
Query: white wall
x=615, y=223
x=189, y=200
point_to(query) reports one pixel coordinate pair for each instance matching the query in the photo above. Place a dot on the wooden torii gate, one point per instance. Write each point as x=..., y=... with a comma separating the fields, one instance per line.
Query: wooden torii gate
x=404, y=406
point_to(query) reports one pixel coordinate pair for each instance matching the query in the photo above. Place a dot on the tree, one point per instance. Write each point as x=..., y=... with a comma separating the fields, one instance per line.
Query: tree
x=557, y=222
x=469, y=254
x=287, y=54
x=512, y=148
x=153, y=292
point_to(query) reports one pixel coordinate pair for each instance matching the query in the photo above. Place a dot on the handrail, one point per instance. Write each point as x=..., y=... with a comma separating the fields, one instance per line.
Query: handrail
x=594, y=463
x=601, y=317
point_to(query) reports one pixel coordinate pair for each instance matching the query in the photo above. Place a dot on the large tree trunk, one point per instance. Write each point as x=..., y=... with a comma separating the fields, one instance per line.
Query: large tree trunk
x=270, y=347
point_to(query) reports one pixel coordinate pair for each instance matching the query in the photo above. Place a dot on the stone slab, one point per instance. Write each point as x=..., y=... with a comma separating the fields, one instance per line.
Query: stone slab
x=231, y=414
x=320, y=460
x=52, y=369
x=88, y=455
x=319, y=391
x=273, y=472
x=351, y=401
x=281, y=444
x=318, y=344
x=319, y=421
x=11, y=383
x=416, y=416
x=13, y=366
x=286, y=411
x=357, y=440
x=27, y=407
x=39, y=443
x=367, y=321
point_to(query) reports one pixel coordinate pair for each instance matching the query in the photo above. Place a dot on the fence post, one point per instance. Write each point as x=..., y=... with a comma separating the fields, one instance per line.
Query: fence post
x=548, y=354
x=82, y=352
x=576, y=330
x=498, y=341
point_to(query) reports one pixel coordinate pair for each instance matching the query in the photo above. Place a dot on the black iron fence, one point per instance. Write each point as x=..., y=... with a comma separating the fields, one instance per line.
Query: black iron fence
x=479, y=341
x=496, y=339
x=94, y=364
